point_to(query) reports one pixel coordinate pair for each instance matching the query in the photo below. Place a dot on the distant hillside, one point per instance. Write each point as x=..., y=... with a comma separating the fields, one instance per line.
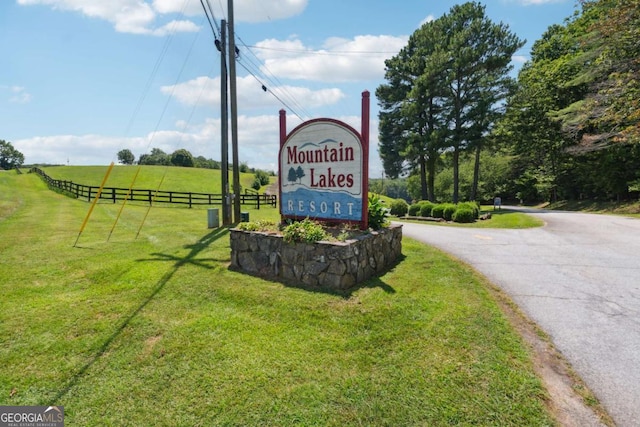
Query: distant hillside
x=149, y=177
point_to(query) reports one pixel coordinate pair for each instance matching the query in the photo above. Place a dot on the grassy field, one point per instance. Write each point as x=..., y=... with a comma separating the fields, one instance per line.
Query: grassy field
x=163, y=178
x=158, y=331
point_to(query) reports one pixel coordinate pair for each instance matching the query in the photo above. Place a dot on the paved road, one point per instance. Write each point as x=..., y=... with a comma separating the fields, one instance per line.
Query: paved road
x=578, y=278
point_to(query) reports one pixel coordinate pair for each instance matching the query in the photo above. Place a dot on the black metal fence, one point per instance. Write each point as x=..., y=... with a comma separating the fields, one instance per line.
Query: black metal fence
x=114, y=194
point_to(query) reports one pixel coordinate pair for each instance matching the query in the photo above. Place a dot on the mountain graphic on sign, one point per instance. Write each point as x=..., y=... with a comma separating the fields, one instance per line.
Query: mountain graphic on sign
x=324, y=141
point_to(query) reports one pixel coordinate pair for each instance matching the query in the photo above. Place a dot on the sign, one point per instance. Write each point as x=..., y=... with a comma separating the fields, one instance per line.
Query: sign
x=323, y=171
x=31, y=416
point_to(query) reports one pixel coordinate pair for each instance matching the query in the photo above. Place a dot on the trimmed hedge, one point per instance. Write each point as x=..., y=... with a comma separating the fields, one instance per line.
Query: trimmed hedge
x=399, y=207
x=464, y=215
x=448, y=211
x=438, y=211
x=469, y=211
x=474, y=206
x=414, y=209
x=425, y=209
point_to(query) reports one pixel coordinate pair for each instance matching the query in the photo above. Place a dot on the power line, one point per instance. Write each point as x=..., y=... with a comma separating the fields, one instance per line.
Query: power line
x=264, y=88
x=325, y=52
x=284, y=97
x=213, y=17
x=211, y=24
x=275, y=82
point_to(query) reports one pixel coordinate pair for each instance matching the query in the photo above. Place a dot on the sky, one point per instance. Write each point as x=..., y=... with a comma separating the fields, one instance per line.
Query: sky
x=81, y=80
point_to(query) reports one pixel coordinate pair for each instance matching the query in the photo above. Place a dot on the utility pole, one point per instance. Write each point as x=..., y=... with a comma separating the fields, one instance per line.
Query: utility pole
x=234, y=114
x=224, y=126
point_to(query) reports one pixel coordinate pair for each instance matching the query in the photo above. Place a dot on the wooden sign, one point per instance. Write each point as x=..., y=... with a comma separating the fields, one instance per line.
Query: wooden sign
x=324, y=170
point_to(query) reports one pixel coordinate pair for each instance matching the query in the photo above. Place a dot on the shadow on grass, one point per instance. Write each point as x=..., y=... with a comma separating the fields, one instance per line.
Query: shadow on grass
x=195, y=249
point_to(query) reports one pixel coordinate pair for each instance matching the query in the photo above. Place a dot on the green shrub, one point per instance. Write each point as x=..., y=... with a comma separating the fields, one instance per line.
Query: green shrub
x=426, y=208
x=256, y=184
x=304, y=231
x=414, y=209
x=474, y=206
x=464, y=214
x=438, y=211
x=260, y=225
x=377, y=212
x=421, y=208
x=261, y=177
x=399, y=207
x=448, y=211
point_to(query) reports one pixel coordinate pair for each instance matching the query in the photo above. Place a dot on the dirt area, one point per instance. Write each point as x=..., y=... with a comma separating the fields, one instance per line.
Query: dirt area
x=569, y=399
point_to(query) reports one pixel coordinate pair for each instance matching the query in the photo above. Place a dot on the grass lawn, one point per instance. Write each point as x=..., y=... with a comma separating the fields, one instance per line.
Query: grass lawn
x=158, y=331
x=503, y=218
x=612, y=208
x=169, y=178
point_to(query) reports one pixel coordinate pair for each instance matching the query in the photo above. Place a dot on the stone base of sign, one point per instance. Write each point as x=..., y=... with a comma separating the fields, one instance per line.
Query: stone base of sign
x=337, y=266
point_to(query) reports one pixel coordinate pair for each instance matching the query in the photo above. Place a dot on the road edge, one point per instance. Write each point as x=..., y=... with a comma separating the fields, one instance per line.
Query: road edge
x=571, y=402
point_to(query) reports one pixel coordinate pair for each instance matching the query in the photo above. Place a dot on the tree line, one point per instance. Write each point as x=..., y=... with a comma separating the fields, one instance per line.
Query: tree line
x=11, y=158
x=184, y=158
x=180, y=157
x=454, y=124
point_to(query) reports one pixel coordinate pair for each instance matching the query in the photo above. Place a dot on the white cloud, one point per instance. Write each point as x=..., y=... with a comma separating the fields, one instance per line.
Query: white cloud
x=429, y=18
x=127, y=16
x=16, y=94
x=205, y=91
x=140, y=17
x=519, y=59
x=77, y=150
x=340, y=60
x=258, y=143
x=243, y=11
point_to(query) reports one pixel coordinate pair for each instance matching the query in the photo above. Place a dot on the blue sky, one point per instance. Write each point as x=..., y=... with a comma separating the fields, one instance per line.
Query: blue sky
x=81, y=80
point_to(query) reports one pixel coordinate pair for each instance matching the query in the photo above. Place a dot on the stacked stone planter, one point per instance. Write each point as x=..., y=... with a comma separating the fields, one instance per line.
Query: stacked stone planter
x=330, y=265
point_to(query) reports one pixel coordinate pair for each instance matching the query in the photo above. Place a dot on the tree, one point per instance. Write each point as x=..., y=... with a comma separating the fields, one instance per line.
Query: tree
x=202, y=162
x=409, y=111
x=157, y=157
x=610, y=111
x=292, y=176
x=126, y=157
x=262, y=177
x=573, y=123
x=444, y=92
x=476, y=76
x=182, y=158
x=9, y=157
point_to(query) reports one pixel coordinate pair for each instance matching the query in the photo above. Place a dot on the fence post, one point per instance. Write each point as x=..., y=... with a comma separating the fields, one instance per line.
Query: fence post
x=89, y=194
x=189, y=200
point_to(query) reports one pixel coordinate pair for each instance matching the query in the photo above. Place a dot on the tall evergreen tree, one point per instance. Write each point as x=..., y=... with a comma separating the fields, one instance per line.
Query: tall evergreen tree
x=444, y=90
x=477, y=76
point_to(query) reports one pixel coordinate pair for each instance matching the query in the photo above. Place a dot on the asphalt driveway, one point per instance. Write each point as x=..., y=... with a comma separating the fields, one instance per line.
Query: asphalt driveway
x=578, y=278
